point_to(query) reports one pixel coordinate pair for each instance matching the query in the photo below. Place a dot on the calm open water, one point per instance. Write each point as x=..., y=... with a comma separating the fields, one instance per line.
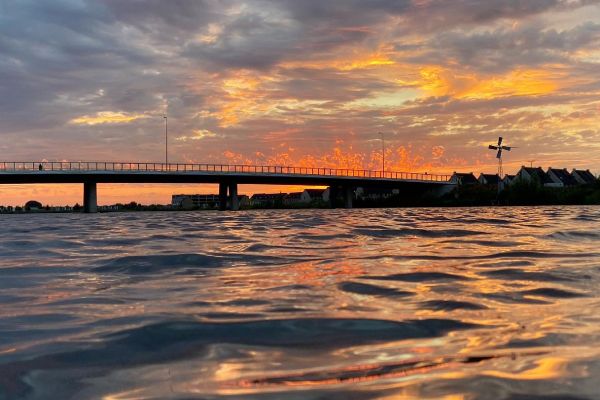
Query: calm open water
x=478, y=303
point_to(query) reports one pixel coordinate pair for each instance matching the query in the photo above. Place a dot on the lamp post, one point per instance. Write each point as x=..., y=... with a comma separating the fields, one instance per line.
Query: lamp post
x=166, y=139
x=382, y=154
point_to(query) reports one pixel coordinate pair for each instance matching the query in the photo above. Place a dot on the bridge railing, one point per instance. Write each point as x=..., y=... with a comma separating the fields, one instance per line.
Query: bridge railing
x=101, y=166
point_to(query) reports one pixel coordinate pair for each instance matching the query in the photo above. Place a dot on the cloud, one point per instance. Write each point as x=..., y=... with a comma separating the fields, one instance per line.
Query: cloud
x=507, y=48
x=105, y=117
x=251, y=41
x=441, y=15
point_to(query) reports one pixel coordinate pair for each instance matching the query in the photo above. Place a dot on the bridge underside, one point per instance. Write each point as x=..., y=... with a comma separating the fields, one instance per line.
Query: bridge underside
x=340, y=186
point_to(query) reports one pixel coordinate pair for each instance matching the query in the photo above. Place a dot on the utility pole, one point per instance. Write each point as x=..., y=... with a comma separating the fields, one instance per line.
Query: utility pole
x=166, y=139
x=382, y=154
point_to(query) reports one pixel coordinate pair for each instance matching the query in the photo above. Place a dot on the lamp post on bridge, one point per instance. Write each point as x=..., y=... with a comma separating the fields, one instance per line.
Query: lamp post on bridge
x=382, y=154
x=166, y=139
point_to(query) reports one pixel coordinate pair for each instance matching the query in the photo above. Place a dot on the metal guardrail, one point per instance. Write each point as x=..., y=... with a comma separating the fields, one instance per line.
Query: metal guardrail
x=101, y=166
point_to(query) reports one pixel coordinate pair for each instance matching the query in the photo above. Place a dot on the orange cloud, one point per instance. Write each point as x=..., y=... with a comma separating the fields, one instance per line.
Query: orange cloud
x=106, y=117
x=375, y=60
x=439, y=81
x=357, y=59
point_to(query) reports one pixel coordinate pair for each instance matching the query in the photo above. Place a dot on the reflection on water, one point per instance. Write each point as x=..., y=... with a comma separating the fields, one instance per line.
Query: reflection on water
x=490, y=303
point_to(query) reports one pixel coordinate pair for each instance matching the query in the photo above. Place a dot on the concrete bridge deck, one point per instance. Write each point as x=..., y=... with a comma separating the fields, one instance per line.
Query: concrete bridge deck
x=227, y=176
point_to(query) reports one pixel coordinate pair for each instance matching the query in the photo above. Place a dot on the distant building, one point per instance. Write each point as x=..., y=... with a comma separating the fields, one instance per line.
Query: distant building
x=529, y=174
x=562, y=177
x=243, y=200
x=295, y=198
x=508, y=178
x=113, y=207
x=583, y=177
x=206, y=201
x=195, y=200
x=489, y=179
x=461, y=178
x=267, y=199
x=312, y=195
x=506, y=181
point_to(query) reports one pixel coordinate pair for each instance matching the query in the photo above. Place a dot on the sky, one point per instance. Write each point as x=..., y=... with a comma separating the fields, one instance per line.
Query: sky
x=304, y=83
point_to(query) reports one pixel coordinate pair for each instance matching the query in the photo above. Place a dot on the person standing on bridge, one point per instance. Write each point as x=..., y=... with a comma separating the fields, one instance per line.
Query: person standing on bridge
x=41, y=167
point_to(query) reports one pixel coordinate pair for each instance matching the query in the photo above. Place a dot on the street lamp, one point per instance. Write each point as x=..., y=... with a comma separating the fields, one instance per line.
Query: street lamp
x=166, y=139
x=382, y=154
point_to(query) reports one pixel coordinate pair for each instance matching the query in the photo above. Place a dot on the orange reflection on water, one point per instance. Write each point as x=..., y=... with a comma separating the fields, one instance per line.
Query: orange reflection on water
x=543, y=368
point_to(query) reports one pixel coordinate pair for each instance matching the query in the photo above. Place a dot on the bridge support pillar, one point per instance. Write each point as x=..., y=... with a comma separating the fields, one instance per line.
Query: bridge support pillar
x=348, y=196
x=333, y=192
x=222, y=196
x=90, y=197
x=234, y=202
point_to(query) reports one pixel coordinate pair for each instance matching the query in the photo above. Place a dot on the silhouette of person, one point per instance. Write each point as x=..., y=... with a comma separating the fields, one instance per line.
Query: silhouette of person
x=41, y=167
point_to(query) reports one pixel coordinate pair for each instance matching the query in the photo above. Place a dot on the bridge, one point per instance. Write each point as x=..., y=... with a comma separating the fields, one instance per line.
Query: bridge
x=228, y=177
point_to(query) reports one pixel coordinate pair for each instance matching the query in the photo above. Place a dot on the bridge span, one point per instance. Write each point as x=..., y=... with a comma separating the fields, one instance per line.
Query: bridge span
x=228, y=177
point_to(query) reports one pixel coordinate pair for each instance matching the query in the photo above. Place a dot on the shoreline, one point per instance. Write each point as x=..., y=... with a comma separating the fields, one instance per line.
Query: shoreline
x=179, y=210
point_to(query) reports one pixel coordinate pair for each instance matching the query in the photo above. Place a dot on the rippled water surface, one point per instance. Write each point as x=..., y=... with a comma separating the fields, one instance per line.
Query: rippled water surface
x=488, y=303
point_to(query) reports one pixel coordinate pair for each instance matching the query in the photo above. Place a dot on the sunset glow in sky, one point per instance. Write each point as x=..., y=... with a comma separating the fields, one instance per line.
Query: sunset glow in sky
x=290, y=82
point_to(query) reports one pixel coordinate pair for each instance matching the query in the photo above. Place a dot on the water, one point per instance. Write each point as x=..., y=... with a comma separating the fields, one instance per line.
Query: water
x=479, y=303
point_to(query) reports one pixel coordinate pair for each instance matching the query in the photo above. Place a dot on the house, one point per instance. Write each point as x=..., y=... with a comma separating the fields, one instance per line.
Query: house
x=562, y=177
x=461, y=178
x=267, y=199
x=489, y=179
x=506, y=181
x=112, y=207
x=312, y=195
x=206, y=201
x=196, y=200
x=243, y=200
x=294, y=198
x=583, y=177
x=530, y=174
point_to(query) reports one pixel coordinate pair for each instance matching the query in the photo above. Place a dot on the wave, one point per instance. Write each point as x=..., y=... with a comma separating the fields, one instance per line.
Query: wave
x=519, y=274
x=427, y=233
x=179, y=340
x=362, y=373
x=182, y=263
x=451, y=305
x=418, y=277
x=371, y=290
